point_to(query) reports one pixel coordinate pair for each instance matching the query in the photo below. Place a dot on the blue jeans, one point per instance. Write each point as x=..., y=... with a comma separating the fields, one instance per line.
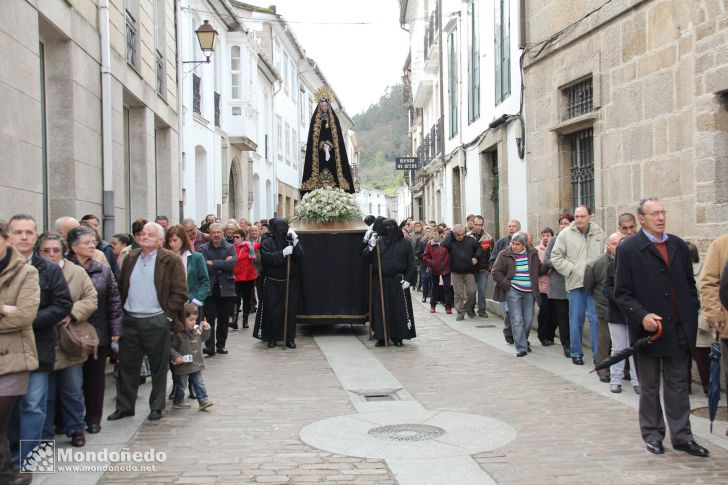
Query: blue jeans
x=424, y=280
x=581, y=303
x=195, y=380
x=520, y=307
x=481, y=280
x=29, y=414
x=67, y=385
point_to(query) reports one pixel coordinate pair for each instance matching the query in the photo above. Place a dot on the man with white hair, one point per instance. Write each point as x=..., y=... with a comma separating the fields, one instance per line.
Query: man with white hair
x=153, y=288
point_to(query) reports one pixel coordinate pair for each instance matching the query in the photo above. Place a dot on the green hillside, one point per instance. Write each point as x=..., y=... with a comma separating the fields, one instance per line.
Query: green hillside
x=382, y=132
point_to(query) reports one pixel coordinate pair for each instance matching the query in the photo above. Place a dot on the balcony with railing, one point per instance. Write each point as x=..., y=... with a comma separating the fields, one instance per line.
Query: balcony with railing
x=431, y=41
x=430, y=147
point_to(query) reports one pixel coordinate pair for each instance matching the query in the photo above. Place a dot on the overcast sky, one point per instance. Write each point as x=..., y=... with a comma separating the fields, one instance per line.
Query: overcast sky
x=358, y=45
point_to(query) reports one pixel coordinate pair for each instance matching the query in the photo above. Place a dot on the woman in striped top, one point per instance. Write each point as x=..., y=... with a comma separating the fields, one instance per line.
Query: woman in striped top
x=516, y=271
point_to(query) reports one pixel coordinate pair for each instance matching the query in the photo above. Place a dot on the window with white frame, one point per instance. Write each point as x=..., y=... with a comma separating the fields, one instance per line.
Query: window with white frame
x=286, y=79
x=279, y=138
x=277, y=56
x=235, y=74
x=288, y=141
x=473, y=62
x=502, y=50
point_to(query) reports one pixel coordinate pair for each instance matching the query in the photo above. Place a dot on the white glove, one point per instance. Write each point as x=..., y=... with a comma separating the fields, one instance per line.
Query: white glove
x=405, y=284
x=373, y=241
x=326, y=150
x=369, y=233
x=287, y=251
x=115, y=346
x=293, y=234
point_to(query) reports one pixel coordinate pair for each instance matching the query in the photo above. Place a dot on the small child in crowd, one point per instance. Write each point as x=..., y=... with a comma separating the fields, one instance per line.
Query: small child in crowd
x=186, y=356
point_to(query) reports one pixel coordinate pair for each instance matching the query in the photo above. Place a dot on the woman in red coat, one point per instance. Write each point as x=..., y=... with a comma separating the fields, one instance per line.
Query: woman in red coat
x=437, y=259
x=244, y=273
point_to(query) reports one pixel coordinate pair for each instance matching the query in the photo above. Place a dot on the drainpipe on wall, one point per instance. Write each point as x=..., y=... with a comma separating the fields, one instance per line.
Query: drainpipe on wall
x=106, y=133
x=438, y=213
x=180, y=103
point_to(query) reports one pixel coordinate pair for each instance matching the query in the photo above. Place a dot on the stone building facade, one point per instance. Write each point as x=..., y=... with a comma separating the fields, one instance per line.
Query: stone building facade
x=625, y=100
x=89, y=110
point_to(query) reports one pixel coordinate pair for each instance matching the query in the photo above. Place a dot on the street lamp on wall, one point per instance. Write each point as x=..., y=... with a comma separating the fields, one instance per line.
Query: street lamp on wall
x=207, y=37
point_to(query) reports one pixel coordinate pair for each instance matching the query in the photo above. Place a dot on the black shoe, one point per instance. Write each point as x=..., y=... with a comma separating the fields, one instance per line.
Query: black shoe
x=380, y=343
x=222, y=350
x=171, y=395
x=692, y=448
x=529, y=346
x=604, y=379
x=155, y=415
x=567, y=353
x=577, y=361
x=193, y=396
x=397, y=343
x=208, y=352
x=291, y=344
x=78, y=439
x=509, y=339
x=93, y=428
x=628, y=377
x=655, y=447
x=271, y=344
x=521, y=354
x=547, y=343
x=424, y=299
x=119, y=415
x=233, y=326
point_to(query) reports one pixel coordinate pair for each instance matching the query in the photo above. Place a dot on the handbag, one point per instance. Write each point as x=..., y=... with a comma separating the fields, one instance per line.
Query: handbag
x=78, y=339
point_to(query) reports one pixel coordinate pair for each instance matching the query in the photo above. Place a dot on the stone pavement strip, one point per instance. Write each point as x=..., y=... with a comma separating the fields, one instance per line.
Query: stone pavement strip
x=570, y=429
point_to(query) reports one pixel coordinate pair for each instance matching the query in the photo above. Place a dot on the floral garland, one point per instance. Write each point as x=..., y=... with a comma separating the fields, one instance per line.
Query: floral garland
x=326, y=205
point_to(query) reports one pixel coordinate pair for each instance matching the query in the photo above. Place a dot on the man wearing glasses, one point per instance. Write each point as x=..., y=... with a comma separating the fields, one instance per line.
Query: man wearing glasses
x=654, y=286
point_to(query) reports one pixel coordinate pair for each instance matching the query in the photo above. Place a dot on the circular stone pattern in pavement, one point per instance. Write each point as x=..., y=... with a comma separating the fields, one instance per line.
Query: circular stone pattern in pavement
x=407, y=432
x=424, y=434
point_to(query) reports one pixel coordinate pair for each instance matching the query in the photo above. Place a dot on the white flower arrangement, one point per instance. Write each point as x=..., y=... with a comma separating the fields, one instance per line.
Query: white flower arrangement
x=326, y=205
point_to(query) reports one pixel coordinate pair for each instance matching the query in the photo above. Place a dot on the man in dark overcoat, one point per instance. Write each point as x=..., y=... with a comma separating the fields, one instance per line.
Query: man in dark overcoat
x=654, y=286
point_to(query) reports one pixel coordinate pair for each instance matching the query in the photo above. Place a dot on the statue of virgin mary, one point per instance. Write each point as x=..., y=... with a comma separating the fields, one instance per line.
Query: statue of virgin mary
x=326, y=165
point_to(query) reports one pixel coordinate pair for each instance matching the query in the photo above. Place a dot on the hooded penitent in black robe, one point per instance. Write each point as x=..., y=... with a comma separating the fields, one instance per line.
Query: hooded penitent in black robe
x=398, y=264
x=271, y=307
x=317, y=171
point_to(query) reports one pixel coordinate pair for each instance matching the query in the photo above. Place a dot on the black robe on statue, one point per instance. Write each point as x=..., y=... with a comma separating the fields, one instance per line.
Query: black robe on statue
x=398, y=264
x=271, y=307
x=317, y=171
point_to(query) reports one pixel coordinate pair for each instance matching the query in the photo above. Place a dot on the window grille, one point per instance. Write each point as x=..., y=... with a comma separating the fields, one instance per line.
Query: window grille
x=582, y=168
x=579, y=99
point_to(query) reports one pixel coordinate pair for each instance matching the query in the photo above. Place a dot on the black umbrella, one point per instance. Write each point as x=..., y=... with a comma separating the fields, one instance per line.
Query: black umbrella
x=623, y=354
x=714, y=383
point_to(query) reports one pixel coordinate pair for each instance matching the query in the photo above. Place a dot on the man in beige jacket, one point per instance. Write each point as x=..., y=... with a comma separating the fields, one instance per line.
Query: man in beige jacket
x=713, y=311
x=578, y=245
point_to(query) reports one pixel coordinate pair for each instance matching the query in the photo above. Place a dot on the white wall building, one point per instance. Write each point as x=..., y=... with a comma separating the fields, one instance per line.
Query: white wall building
x=462, y=81
x=372, y=202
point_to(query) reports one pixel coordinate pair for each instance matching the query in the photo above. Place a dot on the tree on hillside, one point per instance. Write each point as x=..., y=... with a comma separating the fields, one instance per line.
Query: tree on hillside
x=382, y=132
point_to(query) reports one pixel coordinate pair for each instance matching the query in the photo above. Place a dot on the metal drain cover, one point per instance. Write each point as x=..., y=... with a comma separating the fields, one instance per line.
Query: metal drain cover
x=407, y=432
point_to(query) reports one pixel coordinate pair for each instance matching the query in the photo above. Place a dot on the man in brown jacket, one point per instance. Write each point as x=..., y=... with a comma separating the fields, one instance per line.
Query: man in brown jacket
x=153, y=289
x=713, y=311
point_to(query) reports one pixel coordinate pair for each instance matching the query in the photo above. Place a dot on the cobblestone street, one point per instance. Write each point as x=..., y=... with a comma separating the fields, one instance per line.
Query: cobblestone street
x=569, y=428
